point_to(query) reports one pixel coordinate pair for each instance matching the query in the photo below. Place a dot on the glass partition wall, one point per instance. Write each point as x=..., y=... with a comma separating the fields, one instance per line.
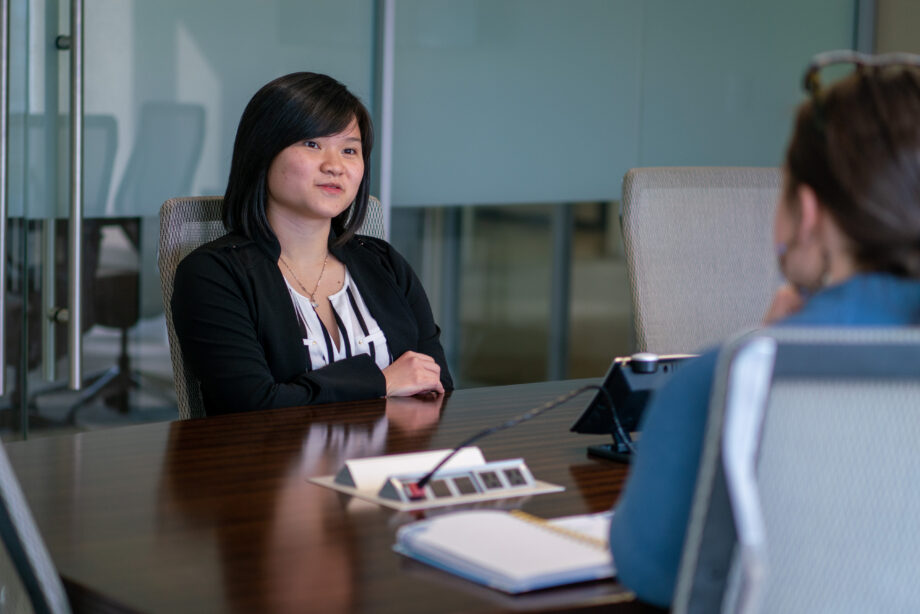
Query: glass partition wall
x=164, y=84
x=511, y=123
x=514, y=123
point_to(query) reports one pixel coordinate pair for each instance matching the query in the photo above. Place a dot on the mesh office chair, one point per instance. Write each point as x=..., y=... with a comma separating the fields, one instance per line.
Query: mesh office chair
x=185, y=224
x=806, y=499
x=699, y=253
x=28, y=579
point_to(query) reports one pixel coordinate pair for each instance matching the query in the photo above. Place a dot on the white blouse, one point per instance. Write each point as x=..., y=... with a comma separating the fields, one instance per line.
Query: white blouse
x=359, y=332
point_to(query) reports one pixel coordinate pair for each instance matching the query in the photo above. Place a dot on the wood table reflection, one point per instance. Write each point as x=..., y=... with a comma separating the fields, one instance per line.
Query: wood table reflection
x=216, y=514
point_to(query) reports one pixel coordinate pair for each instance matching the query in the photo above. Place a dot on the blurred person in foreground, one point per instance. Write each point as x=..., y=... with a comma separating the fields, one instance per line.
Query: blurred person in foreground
x=847, y=236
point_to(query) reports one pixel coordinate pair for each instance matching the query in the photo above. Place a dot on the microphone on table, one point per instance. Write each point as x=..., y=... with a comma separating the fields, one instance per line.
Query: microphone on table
x=417, y=489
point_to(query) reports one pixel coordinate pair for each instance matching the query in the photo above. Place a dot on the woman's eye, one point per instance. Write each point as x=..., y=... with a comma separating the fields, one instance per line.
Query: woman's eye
x=351, y=151
x=312, y=144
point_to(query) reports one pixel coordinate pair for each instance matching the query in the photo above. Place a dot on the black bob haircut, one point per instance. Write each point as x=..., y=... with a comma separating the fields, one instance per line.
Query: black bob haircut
x=292, y=108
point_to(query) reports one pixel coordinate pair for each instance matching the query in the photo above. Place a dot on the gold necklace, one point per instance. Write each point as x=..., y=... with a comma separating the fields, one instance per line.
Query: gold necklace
x=300, y=283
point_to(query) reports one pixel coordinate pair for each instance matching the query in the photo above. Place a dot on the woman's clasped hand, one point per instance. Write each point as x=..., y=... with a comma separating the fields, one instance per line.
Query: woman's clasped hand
x=411, y=374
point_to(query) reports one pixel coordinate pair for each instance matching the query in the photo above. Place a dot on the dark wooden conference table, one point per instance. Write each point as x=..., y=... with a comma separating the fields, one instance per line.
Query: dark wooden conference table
x=216, y=514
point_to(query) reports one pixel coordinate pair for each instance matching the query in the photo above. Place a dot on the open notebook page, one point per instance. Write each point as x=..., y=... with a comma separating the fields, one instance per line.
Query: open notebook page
x=503, y=551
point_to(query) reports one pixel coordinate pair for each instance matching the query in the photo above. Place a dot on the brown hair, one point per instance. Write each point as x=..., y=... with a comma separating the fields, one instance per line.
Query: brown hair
x=858, y=147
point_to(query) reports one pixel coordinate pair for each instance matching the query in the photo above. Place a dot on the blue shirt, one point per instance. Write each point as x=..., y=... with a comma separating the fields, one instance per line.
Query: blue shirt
x=648, y=528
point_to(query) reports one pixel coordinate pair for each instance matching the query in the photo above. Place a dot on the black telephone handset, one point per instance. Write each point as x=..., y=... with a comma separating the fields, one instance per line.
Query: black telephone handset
x=629, y=383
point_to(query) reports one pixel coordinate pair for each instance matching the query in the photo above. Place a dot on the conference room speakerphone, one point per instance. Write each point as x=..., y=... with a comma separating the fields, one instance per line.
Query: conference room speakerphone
x=628, y=385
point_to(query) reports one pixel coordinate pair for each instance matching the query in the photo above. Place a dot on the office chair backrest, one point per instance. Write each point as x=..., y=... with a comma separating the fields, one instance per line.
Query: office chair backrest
x=167, y=149
x=28, y=579
x=164, y=159
x=185, y=224
x=806, y=499
x=699, y=253
x=42, y=146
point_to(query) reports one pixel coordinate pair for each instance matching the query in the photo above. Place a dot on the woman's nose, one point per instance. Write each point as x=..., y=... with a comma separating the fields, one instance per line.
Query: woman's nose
x=332, y=163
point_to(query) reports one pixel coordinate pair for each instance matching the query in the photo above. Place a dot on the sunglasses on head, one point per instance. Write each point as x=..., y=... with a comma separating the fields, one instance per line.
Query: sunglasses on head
x=811, y=81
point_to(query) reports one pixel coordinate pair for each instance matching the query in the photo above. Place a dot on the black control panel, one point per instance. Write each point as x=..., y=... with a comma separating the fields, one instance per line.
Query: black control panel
x=629, y=383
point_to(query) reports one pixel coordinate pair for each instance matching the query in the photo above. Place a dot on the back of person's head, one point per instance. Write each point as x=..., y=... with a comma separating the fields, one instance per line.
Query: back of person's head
x=857, y=145
x=292, y=108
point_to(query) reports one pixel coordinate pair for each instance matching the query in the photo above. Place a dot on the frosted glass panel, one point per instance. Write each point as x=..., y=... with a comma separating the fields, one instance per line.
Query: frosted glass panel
x=165, y=82
x=172, y=68
x=722, y=78
x=519, y=101
x=501, y=101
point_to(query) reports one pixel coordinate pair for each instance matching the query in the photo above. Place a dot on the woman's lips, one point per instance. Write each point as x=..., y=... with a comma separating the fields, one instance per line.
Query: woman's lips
x=331, y=188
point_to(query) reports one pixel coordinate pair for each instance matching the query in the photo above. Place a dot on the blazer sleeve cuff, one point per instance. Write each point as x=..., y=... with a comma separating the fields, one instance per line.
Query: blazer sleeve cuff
x=354, y=379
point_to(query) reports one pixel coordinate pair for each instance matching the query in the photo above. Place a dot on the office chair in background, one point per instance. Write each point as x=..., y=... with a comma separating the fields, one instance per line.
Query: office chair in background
x=699, y=253
x=24, y=286
x=185, y=224
x=163, y=161
x=806, y=499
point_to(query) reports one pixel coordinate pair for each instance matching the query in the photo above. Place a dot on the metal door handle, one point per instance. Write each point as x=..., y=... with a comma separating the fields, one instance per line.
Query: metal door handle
x=4, y=165
x=75, y=260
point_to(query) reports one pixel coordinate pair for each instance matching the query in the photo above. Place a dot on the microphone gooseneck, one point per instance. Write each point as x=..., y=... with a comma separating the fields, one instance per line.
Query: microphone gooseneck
x=418, y=488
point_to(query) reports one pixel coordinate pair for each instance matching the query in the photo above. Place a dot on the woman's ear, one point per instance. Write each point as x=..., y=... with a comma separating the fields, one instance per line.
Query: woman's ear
x=810, y=214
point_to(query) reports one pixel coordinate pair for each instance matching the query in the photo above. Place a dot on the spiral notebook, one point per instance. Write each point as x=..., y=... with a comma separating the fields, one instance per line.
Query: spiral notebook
x=512, y=551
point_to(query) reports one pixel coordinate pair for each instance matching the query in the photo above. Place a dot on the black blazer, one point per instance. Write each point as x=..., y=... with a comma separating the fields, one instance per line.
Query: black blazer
x=239, y=334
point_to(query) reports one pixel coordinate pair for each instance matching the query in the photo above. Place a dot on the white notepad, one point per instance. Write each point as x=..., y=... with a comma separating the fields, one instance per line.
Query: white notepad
x=511, y=553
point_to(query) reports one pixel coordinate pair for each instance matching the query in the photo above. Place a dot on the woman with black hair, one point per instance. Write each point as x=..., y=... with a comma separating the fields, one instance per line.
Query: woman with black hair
x=847, y=234
x=291, y=307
